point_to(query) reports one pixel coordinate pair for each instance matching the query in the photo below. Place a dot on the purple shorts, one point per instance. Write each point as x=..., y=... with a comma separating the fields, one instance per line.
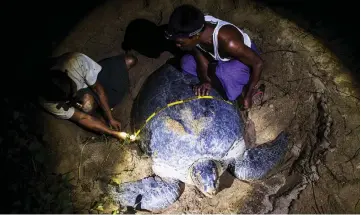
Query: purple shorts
x=233, y=74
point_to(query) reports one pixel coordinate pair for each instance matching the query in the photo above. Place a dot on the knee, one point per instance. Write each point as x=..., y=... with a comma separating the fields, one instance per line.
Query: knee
x=130, y=61
x=88, y=103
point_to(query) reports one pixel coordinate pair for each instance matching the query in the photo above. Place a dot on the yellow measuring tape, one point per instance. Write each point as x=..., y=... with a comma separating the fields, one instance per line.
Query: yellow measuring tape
x=176, y=103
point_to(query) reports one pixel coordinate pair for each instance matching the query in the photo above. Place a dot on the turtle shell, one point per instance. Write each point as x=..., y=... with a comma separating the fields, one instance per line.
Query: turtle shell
x=176, y=128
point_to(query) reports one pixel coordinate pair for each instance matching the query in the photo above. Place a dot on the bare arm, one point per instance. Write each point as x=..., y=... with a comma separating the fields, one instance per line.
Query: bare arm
x=231, y=42
x=248, y=57
x=99, y=90
x=202, y=62
x=92, y=123
x=202, y=65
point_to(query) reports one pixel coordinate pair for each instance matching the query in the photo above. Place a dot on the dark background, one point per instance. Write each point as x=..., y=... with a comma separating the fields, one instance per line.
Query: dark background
x=335, y=23
x=37, y=28
x=33, y=29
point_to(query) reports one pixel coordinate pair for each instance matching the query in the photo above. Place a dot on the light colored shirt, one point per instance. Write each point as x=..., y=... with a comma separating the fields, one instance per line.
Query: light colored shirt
x=82, y=70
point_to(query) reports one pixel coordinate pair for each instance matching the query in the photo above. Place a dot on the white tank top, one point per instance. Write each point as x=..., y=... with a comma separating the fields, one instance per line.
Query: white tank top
x=220, y=23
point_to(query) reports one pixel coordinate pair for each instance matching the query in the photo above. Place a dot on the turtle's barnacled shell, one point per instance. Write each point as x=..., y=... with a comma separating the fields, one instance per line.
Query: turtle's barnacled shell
x=179, y=135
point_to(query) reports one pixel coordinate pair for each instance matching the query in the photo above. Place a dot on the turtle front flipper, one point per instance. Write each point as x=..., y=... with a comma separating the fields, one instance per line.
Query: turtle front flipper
x=151, y=193
x=258, y=161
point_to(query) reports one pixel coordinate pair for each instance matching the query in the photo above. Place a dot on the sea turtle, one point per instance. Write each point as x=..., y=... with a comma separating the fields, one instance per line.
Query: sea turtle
x=190, y=142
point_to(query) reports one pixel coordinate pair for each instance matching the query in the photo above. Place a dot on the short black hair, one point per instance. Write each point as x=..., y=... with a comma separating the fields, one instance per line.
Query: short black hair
x=185, y=20
x=57, y=86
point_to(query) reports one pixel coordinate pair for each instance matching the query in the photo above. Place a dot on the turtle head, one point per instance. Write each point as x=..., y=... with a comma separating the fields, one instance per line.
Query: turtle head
x=205, y=176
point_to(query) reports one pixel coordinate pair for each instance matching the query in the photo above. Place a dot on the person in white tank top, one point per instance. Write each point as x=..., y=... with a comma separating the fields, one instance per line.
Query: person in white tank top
x=219, y=53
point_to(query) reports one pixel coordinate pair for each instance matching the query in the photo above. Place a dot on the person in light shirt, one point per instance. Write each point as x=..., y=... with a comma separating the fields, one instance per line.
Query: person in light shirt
x=75, y=87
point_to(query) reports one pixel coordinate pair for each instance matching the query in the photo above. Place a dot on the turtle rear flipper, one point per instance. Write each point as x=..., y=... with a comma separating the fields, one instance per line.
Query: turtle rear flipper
x=258, y=161
x=151, y=193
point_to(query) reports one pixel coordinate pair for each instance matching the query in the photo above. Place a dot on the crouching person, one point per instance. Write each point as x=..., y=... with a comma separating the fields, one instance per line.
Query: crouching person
x=75, y=87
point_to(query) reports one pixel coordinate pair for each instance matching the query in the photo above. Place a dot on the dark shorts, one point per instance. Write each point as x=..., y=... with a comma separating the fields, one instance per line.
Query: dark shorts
x=114, y=78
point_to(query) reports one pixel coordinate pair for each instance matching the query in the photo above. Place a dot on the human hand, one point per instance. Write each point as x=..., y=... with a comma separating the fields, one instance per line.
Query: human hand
x=202, y=89
x=124, y=136
x=115, y=124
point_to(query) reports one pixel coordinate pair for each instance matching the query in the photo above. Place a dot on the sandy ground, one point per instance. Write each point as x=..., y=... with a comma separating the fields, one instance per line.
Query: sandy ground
x=308, y=93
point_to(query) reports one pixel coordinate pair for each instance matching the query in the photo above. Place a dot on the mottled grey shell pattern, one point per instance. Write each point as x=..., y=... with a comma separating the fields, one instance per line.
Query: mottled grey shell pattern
x=184, y=132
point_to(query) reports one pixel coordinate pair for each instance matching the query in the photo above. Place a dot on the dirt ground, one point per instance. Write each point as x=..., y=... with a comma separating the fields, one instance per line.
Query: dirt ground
x=308, y=93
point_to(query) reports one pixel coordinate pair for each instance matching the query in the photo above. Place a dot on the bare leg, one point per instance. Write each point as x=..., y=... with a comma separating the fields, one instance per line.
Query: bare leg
x=241, y=97
x=257, y=95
